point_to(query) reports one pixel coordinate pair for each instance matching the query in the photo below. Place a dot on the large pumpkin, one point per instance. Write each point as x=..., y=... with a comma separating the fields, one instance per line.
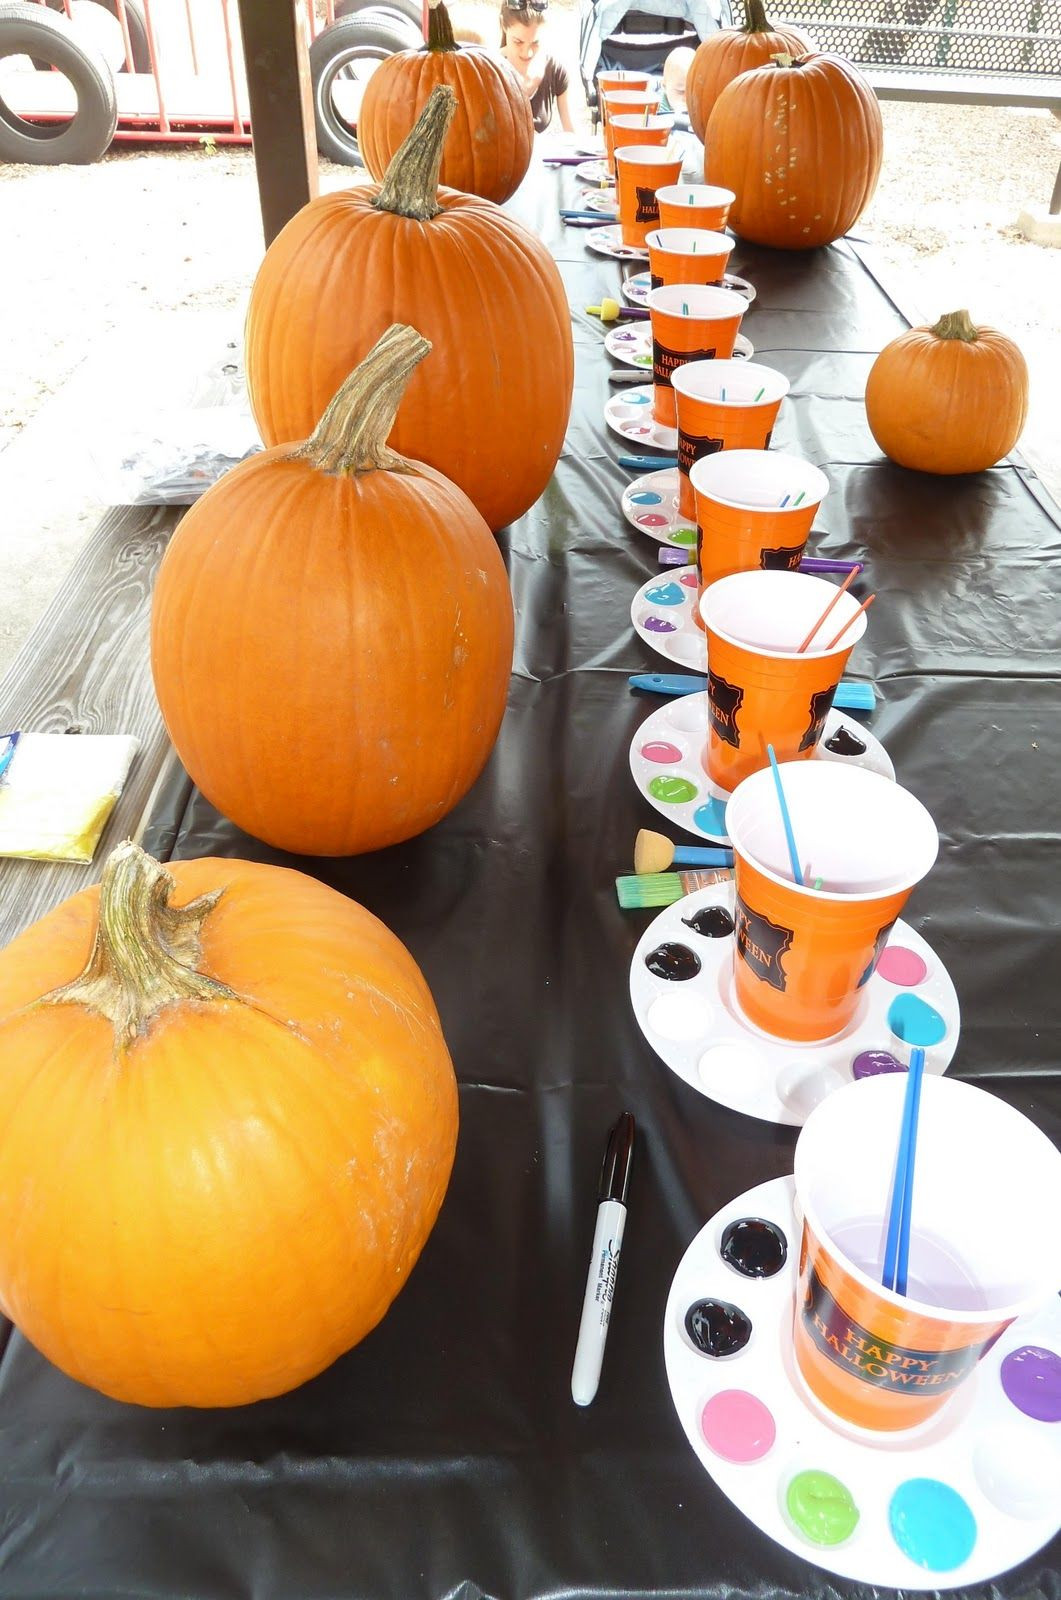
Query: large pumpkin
x=724, y=55
x=331, y=632
x=490, y=408
x=799, y=142
x=488, y=149
x=950, y=398
x=229, y=1119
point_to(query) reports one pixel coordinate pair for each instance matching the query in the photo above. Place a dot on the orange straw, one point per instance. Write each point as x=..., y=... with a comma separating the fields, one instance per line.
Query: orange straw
x=863, y=607
x=849, y=579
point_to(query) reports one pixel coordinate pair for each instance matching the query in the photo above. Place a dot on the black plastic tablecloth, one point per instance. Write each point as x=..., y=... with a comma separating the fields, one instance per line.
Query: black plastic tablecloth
x=444, y=1457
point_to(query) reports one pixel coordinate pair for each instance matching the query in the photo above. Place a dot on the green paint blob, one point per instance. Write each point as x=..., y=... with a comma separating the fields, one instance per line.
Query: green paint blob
x=686, y=536
x=672, y=791
x=821, y=1509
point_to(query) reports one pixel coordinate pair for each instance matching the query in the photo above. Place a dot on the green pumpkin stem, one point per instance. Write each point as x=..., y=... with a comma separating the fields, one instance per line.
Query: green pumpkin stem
x=352, y=434
x=146, y=952
x=439, y=28
x=956, y=325
x=410, y=183
x=755, y=20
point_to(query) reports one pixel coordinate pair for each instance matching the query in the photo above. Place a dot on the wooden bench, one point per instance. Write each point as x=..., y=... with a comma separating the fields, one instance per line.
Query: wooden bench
x=967, y=52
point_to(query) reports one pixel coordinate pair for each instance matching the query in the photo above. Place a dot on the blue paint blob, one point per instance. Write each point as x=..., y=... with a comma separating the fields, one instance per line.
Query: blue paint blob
x=634, y=399
x=932, y=1524
x=665, y=594
x=913, y=1021
x=711, y=818
x=646, y=498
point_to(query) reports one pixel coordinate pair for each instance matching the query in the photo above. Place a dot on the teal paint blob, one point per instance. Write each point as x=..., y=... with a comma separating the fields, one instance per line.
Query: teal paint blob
x=665, y=594
x=913, y=1021
x=932, y=1524
x=646, y=498
x=711, y=818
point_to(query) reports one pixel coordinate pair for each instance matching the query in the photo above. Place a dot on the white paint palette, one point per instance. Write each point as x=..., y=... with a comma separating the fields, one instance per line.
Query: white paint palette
x=629, y=414
x=609, y=242
x=636, y=288
x=602, y=200
x=595, y=171
x=633, y=345
x=1001, y=1464
x=696, y=1027
x=650, y=503
x=665, y=762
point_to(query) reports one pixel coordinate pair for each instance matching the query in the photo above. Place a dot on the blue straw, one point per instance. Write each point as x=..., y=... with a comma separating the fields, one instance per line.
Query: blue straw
x=897, y=1243
x=793, y=854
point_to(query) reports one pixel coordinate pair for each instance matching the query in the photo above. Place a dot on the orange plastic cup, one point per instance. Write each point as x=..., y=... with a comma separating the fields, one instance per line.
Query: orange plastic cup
x=695, y=205
x=636, y=130
x=978, y=1256
x=760, y=690
x=687, y=255
x=689, y=323
x=803, y=955
x=754, y=508
x=722, y=405
x=627, y=103
x=618, y=79
x=640, y=170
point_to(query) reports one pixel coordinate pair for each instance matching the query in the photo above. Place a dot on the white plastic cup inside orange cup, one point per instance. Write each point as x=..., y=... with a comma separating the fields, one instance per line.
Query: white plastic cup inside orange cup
x=687, y=255
x=627, y=102
x=640, y=171
x=802, y=956
x=690, y=322
x=984, y=1245
x=722, y=405
x=694, y=205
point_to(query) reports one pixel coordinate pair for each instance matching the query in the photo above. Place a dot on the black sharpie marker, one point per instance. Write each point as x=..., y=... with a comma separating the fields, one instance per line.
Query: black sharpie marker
x=604, y=1261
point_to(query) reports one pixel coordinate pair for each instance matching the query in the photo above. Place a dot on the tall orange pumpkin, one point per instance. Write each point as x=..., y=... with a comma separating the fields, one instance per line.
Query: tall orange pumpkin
x=331, y=632
x=490, y=408
x=229, y=1119
x=799, y=142
x=724, y=55
x=488, y=149
x=950, y=398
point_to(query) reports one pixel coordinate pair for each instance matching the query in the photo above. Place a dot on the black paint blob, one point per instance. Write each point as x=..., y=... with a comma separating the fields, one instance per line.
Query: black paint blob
x=674, y=961
x=844, y=743
x=754, y=1248
x=713, y=922
x=717, y=1328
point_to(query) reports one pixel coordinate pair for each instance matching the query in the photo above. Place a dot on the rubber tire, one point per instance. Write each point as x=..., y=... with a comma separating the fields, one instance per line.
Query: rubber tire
x=32, y=30
x=346, y=39
x=405, y=8
x=134, y=16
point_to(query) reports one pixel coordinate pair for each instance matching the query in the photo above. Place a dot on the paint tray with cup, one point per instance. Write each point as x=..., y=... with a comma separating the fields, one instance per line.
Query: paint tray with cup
x=690, y=322
x=722, y=405
x=640, y=170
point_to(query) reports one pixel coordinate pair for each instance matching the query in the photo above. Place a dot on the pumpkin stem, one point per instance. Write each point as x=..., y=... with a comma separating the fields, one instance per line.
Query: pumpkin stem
x=352, y=434
x=755, y=20
x=439, y=27
x=147, y=951
x=410, y=183
x=956, y=325
x=783, y=59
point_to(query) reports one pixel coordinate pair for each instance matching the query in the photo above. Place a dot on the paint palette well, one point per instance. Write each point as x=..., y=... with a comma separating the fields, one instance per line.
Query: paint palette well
x=685, y=1005
x=595, y=172
x=636, y=288
x=757, y=1432
x=651, y=504
x=665, y=762
x=609, y=242
x=633, y=345
x=602, y=200
x=629, y=414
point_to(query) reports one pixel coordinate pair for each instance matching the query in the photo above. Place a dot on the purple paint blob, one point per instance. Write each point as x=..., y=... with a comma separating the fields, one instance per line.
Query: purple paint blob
x=901, y=966
x=1031, y=1378
x=662, y=752
x=659, y=625
x=737, y=1426
x=872, y=1062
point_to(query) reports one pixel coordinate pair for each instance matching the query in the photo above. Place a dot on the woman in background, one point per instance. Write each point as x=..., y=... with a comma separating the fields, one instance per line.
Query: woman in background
x=545, y=81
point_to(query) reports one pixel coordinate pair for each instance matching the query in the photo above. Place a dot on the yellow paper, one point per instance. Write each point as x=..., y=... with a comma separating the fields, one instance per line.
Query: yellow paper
x=58, y=792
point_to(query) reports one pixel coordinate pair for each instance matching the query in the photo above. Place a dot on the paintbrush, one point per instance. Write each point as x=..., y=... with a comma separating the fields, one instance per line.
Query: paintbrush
x=664, y=888
x=654, y=852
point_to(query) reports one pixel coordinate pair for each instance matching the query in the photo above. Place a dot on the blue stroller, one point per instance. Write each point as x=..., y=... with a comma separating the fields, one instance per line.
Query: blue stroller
x=611, y=37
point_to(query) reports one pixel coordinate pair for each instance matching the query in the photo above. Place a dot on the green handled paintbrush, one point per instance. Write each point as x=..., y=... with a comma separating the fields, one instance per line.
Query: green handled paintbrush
x=663, y=888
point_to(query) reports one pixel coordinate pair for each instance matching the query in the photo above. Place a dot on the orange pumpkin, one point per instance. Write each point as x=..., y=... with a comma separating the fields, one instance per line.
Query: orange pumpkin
x=490, y=408
x=947, y=399
x=229, y=1119
x=331, y=632
x=799, y=142
x=488, y=149
x=724, y=55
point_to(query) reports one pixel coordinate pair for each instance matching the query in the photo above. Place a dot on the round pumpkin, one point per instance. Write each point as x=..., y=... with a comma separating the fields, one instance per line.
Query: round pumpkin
x=799, y=142
x=724, y=55
x=331, y=632
x=229, y=1119
x=488, y=148
x=947, y=399
x=490, y=408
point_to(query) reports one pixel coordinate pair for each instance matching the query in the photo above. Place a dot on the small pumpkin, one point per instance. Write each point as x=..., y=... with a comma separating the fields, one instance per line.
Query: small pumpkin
x=800, y=143
x=229, y=1119
x=724, y=55
x=947, y=399
x=331, y=632
x=488, y=149
x=490, y=408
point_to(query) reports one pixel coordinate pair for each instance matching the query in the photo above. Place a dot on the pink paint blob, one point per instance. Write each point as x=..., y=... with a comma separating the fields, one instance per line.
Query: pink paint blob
x=651, y=519
x=689, y=579
x=737, y=1426
x=662, y=752
x=902, y=967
